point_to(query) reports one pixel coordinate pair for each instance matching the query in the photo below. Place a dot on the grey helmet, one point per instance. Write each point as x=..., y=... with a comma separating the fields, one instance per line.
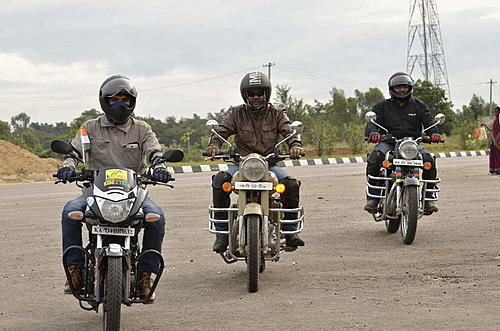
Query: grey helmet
x=400, y=78
x=117, y=85
x=255, y=80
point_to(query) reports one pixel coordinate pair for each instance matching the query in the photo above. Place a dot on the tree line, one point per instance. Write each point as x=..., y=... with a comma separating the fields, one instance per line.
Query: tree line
x=338, y=121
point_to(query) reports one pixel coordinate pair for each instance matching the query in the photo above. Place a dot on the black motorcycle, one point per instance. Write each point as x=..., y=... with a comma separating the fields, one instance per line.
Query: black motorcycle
x=404, y=193
x=114, y=218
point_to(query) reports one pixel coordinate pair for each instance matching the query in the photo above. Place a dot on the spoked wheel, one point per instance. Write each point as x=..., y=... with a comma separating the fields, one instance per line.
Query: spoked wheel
x=253, y=251
x=392, y=225
x=410, y=214
x=113, y=294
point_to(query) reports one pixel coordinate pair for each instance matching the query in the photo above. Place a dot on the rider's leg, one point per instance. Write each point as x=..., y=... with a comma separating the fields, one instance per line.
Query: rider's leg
x=429, y=174
x=373, y=164
x=72, y=235
x=72, y=230
x=221, y=199
x=290, y=199
x=154, y=233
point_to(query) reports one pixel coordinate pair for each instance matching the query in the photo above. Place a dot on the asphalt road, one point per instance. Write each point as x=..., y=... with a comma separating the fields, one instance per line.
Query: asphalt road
x=350, y=275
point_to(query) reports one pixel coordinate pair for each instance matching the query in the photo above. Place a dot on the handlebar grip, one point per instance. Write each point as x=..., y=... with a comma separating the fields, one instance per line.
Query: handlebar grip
x=204, y=154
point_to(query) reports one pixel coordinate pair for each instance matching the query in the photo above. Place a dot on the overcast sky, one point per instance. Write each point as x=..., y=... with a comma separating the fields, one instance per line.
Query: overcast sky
x=188, y=57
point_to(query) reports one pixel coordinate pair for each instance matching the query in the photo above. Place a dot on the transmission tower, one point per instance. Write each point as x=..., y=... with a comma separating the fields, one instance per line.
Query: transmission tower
x=429, y=53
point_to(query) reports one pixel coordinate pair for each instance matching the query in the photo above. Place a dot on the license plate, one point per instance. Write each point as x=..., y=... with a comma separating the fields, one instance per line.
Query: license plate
x=266, y=186
x=417, y=163
x=112, y=231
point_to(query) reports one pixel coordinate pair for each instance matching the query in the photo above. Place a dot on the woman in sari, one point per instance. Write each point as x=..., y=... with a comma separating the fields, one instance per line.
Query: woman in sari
x=495, y=144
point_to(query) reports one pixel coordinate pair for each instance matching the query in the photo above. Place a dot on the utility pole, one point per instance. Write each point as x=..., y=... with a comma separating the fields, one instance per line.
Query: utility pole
x=269, y=65
x=491, y=82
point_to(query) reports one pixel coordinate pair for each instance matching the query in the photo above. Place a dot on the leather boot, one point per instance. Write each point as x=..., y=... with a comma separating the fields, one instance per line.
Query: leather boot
x=221, y=242
x=75, y=273
x=430, y=207
x=371, y=206
x=293, y=240
x=144, y=286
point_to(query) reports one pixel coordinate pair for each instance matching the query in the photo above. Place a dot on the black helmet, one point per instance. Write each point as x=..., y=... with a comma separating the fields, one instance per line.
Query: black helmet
x=401, y=78
x=255, y=80
x=117, y=85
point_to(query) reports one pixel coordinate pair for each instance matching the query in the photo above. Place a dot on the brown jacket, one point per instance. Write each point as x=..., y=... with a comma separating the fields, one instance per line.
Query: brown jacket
x=255, y=132
x=127, y=145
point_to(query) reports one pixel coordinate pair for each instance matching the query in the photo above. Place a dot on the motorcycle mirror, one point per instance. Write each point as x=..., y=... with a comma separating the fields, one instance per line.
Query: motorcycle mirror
x=370, y=116
x=173, y=155
x=61, y=147
x=297, y=126
x=440, y=118
x=212, y=123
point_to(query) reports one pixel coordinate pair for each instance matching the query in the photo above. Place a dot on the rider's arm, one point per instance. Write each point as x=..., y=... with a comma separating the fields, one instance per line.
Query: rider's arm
x=285, y=130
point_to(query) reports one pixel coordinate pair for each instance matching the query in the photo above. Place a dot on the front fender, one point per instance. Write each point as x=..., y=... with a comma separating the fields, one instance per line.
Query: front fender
x=252, y=209
x=411, y=181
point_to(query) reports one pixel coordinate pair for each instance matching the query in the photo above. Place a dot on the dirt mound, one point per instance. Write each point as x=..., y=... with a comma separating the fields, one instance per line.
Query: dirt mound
x=17, y=165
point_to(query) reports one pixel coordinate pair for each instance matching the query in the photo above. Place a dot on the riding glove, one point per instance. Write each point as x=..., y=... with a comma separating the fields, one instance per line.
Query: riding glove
x=161, y=174
x=435, y=138
x=212, y=150
x=374, y=137
x=296, y=152
x=65, y=172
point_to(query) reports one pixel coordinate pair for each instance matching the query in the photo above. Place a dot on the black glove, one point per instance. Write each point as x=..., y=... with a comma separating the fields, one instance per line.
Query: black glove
x=161, y=174
x=65, y=172
x=374, y=137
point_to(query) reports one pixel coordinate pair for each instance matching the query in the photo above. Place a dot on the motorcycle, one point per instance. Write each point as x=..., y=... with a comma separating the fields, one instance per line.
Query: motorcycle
x=404, y=193
x=114, y=218
x=254, y=221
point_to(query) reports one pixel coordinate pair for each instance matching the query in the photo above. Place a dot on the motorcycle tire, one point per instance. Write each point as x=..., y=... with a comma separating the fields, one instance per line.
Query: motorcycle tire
x=392, y=225
x=410, y=214
x=113, y=294
x=253, y=251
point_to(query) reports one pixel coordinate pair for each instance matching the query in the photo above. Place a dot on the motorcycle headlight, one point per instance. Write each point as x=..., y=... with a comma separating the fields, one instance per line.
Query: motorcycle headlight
x=408, y=149
x=253, y=169
x=116, y=211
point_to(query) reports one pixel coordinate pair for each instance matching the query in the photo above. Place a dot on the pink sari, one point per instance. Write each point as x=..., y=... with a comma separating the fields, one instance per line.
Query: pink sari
x=495, y=148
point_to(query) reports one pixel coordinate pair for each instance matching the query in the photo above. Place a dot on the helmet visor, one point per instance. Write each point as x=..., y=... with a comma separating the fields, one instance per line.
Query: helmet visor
x=400, y=80
x=118, y=86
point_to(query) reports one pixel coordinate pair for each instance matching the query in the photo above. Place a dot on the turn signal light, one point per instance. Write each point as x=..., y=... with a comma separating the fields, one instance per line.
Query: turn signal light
x=76, y=215
x=427, y=165
x=280, y=188
x=227, y=187
x=151, y=217
x=386, y=164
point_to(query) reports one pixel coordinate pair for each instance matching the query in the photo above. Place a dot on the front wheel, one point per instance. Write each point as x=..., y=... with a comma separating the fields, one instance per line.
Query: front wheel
x=253, y=251
x=113, y=294
x=410, y=214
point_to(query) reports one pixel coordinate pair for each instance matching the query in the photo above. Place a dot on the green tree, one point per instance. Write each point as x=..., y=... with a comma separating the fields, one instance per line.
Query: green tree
x=4, y=131
x=20, y=122
x=355, y=137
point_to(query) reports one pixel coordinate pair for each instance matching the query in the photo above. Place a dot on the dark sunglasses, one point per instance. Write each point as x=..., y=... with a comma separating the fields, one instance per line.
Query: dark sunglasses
x=252, y=94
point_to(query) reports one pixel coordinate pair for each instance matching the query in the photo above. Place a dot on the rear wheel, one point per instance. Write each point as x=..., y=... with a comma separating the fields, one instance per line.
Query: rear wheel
x=410, y=214
x=253, y=251
x=113, y=294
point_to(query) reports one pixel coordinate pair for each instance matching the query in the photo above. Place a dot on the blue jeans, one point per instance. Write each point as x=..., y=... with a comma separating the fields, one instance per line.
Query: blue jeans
x=279, y=172
x=152, y=239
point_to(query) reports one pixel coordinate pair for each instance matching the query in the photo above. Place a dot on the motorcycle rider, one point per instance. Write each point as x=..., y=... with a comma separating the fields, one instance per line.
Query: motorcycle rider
x=116, y=140
x=403, y=116
x=257, y=125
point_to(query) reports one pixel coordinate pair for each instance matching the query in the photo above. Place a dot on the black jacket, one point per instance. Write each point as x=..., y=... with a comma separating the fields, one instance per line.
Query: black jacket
x=406, y=121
